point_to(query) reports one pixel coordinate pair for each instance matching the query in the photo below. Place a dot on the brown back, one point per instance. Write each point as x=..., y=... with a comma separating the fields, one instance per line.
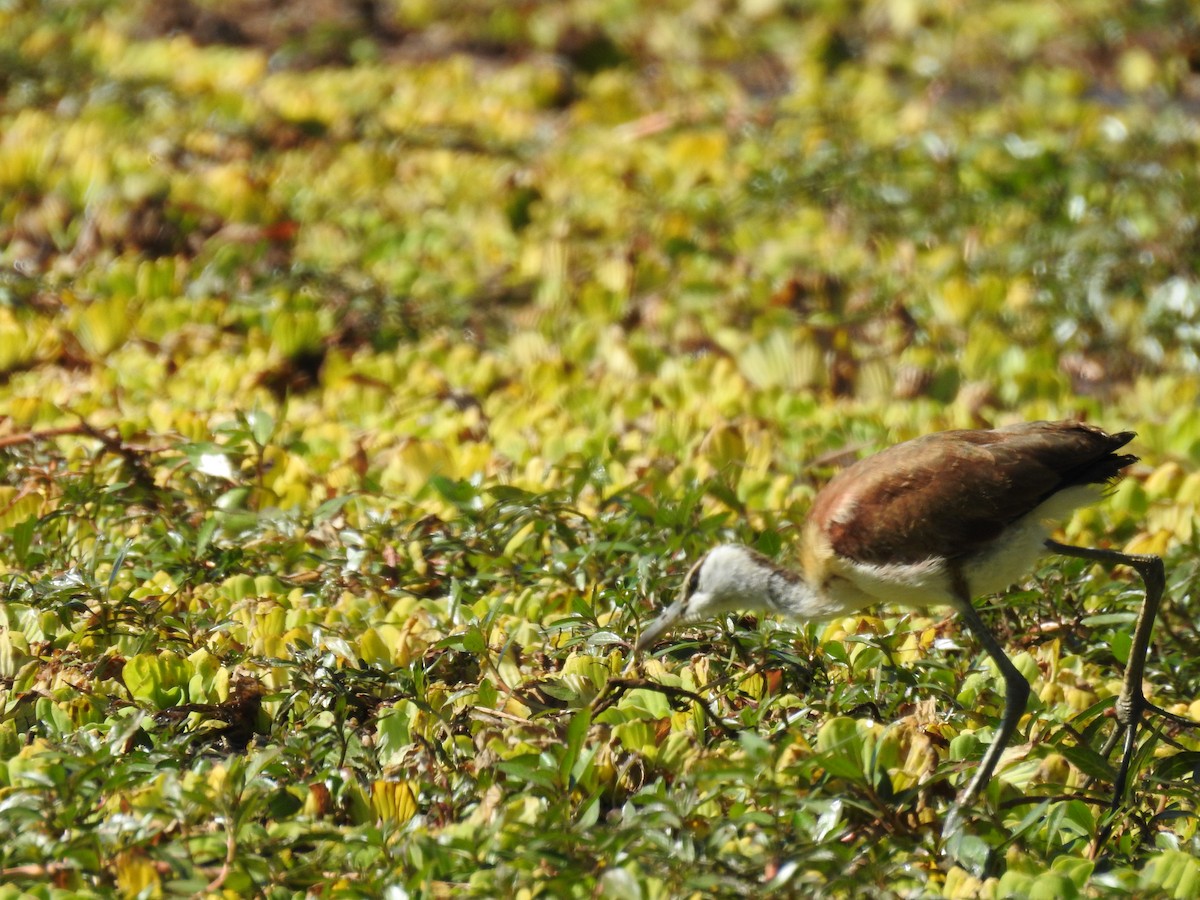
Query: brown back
x=952, y=493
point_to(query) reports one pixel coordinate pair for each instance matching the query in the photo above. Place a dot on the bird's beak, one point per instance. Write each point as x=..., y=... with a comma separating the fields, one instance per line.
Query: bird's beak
x=658, y=626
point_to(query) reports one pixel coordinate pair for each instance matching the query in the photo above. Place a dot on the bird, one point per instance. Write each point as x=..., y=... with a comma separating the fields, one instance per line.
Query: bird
x=940, y=520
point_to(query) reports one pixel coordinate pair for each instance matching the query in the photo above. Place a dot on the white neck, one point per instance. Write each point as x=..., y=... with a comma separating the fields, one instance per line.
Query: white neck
x=737, y=577
x=730, y=578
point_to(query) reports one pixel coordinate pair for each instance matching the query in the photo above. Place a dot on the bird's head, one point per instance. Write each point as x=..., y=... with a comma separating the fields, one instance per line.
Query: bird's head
x=725, y=579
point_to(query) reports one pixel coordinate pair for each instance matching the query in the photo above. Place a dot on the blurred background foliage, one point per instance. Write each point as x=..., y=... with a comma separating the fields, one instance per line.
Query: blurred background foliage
x=370, y=370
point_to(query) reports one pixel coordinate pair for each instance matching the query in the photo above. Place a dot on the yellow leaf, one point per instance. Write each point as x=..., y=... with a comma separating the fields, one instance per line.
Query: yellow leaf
x=724, y=446
x=17, y=506
x=1155, y=543
x=956, y=301
x=19, y=341
x=781, y=360
x=216, y=778
x=136, y=875
x=704, y=151
x=1137, y=69
x=393, y=801
x=1189, y=490
x=103, y=325
x=593, y=669
x=960, y=884
x=1164, y=481
x=373, y=650
x=515, y=542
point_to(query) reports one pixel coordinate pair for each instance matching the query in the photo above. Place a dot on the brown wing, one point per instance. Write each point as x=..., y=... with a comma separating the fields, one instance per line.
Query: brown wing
x=950, y=494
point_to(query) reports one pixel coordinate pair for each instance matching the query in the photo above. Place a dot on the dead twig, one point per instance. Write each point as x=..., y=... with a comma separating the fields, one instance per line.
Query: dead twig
x=46, y=434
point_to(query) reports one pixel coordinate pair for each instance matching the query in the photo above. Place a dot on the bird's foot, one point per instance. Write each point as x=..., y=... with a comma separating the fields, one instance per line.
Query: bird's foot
x=1130, y=712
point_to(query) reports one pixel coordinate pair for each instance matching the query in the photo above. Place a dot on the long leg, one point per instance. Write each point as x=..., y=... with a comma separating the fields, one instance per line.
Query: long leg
x=1016, y=695
x=1132, y=703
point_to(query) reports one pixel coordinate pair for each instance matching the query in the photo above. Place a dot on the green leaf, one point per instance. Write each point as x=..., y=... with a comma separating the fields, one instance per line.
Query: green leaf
x=262, y=425
x=840, y=748
x=1173, y=872
x=158, y=679
x=531, y=768
x=1121, y=643
x=330, y=508
x=22, y=541
x=473, y=640
x=1089, y=762
x=460, y=493
x=1050, y=886
x=507, y=493
x=1078, y=870
x=283, y=804
x=650, y=703
x=577, y=732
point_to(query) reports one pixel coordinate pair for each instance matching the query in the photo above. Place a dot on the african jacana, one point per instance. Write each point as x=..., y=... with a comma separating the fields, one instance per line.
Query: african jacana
x=939, y=520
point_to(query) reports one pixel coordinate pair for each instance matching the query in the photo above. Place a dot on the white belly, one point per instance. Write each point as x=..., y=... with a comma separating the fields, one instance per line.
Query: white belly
x=1014, y=555
x=1007, y=560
